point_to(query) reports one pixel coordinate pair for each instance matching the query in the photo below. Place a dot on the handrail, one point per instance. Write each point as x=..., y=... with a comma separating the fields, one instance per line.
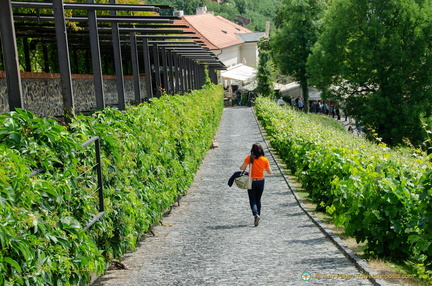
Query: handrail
x=98, y=167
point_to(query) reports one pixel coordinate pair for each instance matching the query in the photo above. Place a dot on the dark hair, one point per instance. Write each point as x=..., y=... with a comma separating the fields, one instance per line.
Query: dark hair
x=256, y=151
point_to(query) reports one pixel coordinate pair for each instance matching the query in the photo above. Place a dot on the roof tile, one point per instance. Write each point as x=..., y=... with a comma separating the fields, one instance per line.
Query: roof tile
x=216, y=31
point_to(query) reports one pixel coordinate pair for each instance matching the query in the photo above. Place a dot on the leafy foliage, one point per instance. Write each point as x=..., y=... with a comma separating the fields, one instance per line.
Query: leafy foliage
x=375, y=57
x=298, y=27
x=150, y=154
x=381, y=196
x=257, y=11
x=266, y=73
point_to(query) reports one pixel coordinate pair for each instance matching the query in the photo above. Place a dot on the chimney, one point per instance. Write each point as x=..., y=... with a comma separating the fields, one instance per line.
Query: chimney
x=178, y=13
x=201, y=9
x=267, y=30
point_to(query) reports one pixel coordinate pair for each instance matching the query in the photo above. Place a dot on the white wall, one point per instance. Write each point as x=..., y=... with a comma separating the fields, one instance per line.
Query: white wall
x=249, y=51
x=234, y=55
x=230, y=56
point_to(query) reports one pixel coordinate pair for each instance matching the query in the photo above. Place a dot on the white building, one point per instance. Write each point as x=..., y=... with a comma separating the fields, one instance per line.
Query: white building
x=235, y=46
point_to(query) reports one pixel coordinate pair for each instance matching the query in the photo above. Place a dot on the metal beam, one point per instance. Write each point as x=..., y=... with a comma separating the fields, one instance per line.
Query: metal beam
x=174, y=43
x=157, y=31
x=91, y=6
x=143, y=19
x=166, y=37
x=10, y=56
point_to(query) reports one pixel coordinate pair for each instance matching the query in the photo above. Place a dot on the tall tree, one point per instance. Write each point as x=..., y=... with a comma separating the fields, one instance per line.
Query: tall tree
x=376, y=57
x=265, y=74
x=298, y=24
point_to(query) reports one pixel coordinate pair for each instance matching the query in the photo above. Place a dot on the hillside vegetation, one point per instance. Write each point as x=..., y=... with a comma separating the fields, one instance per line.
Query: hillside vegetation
x=257, y=11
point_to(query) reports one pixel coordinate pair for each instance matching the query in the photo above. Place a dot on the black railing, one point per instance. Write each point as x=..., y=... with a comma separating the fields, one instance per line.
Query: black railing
x=98, y=167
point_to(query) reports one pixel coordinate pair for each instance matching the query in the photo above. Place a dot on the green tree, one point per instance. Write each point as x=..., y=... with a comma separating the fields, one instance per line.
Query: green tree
x=241, y=6
x=298, y=24
x=265, y=74
x=376, y=57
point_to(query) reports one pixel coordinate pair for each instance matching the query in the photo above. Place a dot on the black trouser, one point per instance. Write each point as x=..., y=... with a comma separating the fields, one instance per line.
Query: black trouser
x=255, y=197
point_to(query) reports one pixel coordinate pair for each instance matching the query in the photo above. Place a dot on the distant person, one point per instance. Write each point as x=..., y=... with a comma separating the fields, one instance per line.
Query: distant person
x=314, y=106
x=281, y=102
x=300, y=104
x=293, y=103
x=258, y=163
x=239, y=97
x=326, y=108
x=251, y=98
x=320, y=107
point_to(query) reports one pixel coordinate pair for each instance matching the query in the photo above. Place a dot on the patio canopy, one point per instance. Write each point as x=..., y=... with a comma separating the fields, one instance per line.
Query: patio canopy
x=293, y=89
x=253, y=85
x=239, y=72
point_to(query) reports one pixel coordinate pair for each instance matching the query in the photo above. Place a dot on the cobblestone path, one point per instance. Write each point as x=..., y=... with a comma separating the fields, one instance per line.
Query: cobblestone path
x=210, y=238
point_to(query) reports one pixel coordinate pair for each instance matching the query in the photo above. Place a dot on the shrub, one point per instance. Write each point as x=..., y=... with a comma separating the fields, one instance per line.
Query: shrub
x=150, y=154
x=375, y=192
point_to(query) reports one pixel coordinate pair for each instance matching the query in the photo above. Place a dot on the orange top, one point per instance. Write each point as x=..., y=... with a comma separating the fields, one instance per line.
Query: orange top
x=258, y=166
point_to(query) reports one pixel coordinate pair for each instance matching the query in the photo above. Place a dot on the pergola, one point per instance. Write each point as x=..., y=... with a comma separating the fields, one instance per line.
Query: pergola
x=172, y=59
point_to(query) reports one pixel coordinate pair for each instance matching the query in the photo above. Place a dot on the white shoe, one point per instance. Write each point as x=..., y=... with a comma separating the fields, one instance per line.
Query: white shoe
x=257, y=219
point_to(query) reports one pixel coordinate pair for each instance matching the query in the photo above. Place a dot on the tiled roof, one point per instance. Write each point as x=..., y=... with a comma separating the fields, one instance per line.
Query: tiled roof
x=216, y=31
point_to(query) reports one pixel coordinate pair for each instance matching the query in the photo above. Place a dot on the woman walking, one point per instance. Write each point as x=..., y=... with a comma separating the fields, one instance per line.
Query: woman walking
x=259, y=163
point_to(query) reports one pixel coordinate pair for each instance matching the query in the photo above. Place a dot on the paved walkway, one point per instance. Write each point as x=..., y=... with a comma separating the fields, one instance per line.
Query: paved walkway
x=210, y=238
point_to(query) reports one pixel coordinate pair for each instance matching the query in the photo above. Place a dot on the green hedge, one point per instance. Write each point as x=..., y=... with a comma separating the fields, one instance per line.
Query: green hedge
x=150, y=154
x=388, y=207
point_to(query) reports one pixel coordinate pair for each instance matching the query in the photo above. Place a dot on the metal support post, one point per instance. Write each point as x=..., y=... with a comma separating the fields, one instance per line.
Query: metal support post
x=99, y=176
x=212, y=75
x=190, y=75
x=202, y=68
x=157, y=69
x=164, y=69
x=199, y=75
x=171, y=71
x=147, y=68
x=64, y=61
x=96, y=58
x=196, y=75
x=10, y=56
x=179, y=77
x=187, y=74
x=135, y=67
x=118, y=60
x=183, y=74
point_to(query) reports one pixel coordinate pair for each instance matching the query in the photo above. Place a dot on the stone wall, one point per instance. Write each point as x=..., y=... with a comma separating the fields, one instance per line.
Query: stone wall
x=4, y=103
x=42, y=93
